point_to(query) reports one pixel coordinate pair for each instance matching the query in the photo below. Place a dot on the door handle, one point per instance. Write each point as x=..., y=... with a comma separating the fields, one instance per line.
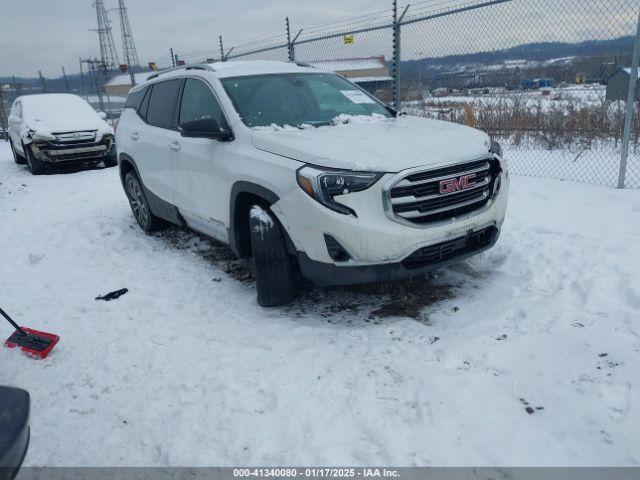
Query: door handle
x=174, y=146
x=135, y=136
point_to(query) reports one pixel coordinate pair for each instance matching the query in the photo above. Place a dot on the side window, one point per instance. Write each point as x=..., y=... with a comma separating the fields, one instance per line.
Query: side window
x=162, y=104
x=199, y=102
x=134, y=99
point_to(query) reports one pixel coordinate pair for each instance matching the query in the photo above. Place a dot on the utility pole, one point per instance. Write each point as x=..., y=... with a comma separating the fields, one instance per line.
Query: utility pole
x=82, y=80
x=43, y=83
x=66, y=80
x=173, y=58
x=93, y=68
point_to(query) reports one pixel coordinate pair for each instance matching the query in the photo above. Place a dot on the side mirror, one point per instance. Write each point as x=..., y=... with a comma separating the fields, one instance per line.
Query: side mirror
x=102, y=115
x=204, y=128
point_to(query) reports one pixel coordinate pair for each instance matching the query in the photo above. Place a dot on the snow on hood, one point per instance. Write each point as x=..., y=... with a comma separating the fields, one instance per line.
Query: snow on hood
x=377, y=144
x=46, y=114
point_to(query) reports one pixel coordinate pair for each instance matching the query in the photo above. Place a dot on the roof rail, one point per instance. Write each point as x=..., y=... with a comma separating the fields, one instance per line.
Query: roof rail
x=304, y=65
x=197, y=66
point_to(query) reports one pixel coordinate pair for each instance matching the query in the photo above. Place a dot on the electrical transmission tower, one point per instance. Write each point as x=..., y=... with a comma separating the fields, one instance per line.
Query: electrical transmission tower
x=128, y=47
x=108, y=54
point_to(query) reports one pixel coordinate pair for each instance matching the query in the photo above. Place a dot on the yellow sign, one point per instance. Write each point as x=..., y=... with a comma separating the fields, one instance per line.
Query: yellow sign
x=153, y=66
x=349, y=39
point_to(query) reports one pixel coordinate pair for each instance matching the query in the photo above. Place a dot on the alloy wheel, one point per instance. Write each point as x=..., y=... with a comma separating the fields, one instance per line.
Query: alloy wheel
x=138, y=203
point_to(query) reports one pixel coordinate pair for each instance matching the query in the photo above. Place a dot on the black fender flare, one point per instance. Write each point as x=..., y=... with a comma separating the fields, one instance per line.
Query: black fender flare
x=123, y=157
x=237, y=244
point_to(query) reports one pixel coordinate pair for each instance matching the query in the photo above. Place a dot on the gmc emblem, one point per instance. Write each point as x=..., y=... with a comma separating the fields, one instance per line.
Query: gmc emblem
x=451, y=185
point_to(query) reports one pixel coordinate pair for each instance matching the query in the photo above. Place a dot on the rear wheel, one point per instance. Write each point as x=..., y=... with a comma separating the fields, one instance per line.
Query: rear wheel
x=36, y=166
x=276, y=272
x=19, y=159
x=139, y=205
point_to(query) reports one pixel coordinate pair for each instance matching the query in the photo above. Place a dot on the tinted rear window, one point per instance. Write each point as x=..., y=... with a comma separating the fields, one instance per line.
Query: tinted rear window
x=162, y=104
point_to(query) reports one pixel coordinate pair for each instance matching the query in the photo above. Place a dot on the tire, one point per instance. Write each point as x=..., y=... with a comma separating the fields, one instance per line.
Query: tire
x=276, y=271
x=35, y=166
x=20, y=160
x=139, y=204
x=110, y=161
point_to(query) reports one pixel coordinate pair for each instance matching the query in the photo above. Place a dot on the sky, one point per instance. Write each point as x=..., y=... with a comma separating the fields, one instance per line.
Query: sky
x=46, y=34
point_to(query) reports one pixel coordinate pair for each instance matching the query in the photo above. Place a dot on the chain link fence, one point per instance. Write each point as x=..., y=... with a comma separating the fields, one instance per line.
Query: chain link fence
x=531, y=73
x=550, y=110
x=546, y=78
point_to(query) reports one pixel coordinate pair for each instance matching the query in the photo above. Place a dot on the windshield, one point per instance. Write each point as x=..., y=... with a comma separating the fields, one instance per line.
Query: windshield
x=298, y=99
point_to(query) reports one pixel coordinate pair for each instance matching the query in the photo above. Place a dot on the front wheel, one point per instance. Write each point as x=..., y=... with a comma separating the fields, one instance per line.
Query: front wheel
x=19, y=159
x=139, y=205
x=35, y=166
x=276, y=273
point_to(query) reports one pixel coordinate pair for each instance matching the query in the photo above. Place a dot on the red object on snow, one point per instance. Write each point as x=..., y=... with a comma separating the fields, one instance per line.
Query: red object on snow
x=35, y=343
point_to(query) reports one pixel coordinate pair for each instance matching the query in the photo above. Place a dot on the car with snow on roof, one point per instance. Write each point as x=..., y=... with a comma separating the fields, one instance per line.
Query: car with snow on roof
x=58, y=129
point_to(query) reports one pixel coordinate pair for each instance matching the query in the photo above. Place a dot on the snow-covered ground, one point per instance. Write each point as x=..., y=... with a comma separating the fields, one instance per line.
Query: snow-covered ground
x=186, y=369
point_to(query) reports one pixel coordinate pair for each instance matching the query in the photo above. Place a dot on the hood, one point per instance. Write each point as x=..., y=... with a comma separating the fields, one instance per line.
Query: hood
x=44, y=129
x=384, y=145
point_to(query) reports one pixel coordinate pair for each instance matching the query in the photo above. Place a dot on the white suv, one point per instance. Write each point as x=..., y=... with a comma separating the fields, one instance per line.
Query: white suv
x=307, y=173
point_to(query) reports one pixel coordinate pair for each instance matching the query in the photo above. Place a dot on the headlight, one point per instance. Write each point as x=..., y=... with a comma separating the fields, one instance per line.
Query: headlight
x=496, y=148
x=324, y=185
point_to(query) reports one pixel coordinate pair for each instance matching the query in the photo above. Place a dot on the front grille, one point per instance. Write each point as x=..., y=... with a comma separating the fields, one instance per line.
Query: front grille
x=451, y=249
x=75, y=138
x=79, y=149
x=417, y=198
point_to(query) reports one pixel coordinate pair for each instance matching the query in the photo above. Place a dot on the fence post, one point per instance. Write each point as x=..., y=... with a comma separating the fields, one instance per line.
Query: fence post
x=43, y=83
x=17, y=86
x=4, y=122
x=397, y=53
x=631, y=97
x=289, y=45
x=222, y=57
x=66, y=80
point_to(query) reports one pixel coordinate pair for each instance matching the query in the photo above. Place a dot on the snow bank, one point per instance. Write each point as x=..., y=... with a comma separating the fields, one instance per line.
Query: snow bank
x=189, y=370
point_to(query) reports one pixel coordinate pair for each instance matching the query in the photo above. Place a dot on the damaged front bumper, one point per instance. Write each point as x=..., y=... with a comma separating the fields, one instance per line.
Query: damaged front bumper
x=72, y=147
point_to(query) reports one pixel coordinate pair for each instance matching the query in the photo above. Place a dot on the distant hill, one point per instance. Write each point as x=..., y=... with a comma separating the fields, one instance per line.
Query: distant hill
x=595, y=58
x=536, y=52
x=531, y=55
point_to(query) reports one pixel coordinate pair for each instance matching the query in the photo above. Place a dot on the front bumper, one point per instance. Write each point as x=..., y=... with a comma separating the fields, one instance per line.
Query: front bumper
x=58, y=152
x=420, y=262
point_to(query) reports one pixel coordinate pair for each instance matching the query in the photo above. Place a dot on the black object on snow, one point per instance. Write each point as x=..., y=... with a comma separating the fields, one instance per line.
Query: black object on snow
x=113, y=295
